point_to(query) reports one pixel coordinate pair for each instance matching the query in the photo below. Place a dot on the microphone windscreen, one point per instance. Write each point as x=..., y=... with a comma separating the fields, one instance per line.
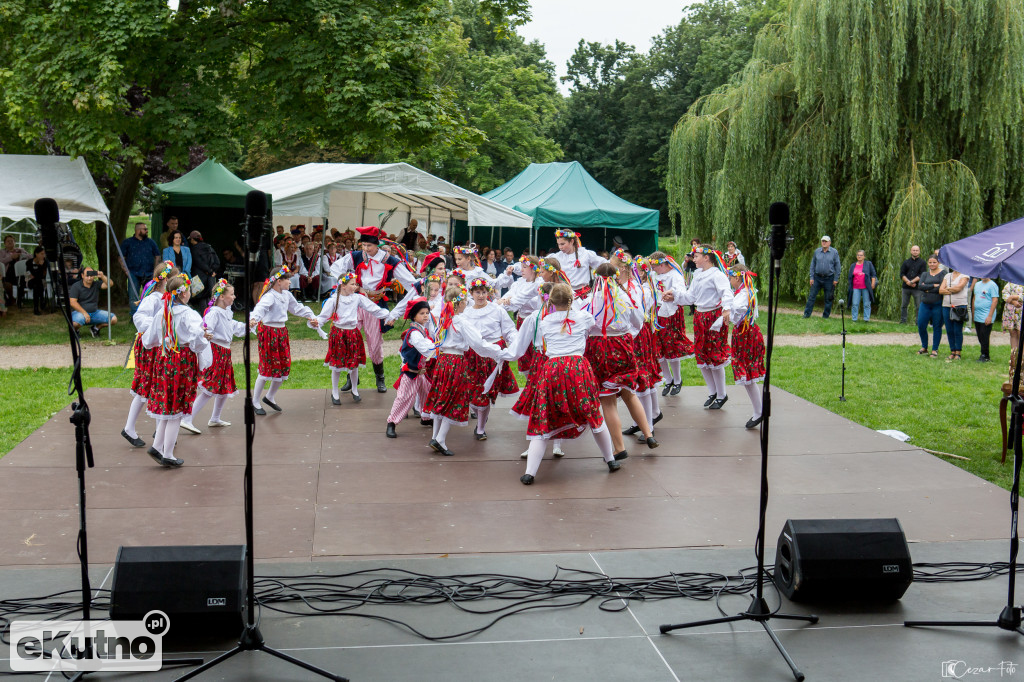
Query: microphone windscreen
x=778, y=213
x=256, y=203
x=47, y=212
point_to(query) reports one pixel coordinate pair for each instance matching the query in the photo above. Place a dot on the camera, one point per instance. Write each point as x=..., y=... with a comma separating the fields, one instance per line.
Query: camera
x=91, y=273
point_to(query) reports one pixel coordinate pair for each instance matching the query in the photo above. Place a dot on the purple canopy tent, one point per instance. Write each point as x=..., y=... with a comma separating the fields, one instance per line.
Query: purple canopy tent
x=997, y=253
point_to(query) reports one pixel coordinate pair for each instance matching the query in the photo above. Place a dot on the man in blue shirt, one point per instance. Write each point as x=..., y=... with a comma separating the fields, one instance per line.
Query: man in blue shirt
x=825, y=271
x=140, y=256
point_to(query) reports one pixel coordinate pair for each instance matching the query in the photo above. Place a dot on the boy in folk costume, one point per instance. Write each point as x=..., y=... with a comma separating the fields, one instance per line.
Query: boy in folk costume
x=417, y=349
x=670, y=323
x=345, y=350
x=451, y=389
x=375, y=270
x=269, y=317
x=711, y=293
x=576, y=262
x=184, y=351
x=150, y=305
x=633, y=278
x=218, y=380
x=494, y=326
x=747, y=341
x=566, y=401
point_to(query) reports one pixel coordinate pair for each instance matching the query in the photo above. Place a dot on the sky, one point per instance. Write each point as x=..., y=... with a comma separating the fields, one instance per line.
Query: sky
x=560, y=24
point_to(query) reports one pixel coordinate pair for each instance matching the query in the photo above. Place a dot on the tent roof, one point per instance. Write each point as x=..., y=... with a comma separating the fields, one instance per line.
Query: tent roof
x=208, y=184
x=25, y=178
x=566, y=195
x=305, y=191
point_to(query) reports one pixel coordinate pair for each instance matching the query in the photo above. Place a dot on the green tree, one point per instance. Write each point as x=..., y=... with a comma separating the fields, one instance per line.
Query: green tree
x=882, y=123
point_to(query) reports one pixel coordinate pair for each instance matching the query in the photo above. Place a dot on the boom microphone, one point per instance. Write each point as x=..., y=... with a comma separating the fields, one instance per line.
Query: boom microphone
x=255, y=217
x=841, y=302
x=47, y=217
x=778, y=217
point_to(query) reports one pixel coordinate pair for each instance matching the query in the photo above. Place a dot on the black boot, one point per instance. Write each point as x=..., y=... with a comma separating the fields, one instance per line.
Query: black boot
x=378, y=371
x=348, y=384
x=390, y=432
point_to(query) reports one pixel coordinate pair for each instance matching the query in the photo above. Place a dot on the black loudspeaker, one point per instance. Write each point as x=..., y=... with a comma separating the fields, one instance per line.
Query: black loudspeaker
x=201, y=588
x=839, y=559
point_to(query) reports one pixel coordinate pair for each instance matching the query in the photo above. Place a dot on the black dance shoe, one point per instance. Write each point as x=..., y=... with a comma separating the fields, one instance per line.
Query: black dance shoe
x=711, y=399
x=661, y=415
x=426, y=422
x=613, y=466
x=335, y=401
x=415, y=413
x=621, y=455
x=157, y=457
x=631, y=430
x=136, y=442
x=675, y=389
x=348, y=384
x=652, y=443
x=356, y=398
x=272, y=405
x=171, y=462
x=260, y=411
x=526, y=479
x=390, y=432
x=753, y=423
x=668, y=387
x=717, y=405
x=479, y=436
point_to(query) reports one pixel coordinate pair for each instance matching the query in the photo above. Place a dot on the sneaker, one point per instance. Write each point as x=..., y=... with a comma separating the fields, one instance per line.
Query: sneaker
x=188, y=426
x=95, y=331
x=557, y=451
x=217, y=422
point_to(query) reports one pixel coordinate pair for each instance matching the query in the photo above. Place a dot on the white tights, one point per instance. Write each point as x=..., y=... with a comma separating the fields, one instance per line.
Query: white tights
x=138, y=402
x=754, y=393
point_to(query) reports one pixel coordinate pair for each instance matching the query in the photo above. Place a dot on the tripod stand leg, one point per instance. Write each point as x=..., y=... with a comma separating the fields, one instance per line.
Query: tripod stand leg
x=206, y=666
x=793, y=616
x=714, y=621
x=302, y=664
x=950, y=623
x=782, y=650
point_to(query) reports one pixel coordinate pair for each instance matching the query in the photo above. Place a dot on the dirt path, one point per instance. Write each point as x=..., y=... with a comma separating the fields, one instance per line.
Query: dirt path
x=98, y=355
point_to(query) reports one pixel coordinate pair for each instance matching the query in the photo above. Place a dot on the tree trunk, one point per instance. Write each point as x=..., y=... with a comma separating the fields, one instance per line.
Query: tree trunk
x=120, y=213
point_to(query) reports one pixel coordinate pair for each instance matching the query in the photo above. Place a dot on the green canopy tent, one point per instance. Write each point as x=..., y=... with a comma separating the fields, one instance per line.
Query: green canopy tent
x=209, y=198
x=565, y=195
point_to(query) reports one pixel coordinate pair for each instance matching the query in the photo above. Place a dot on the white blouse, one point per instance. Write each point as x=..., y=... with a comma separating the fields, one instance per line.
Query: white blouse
x=629, y=320
x=347, y=308
x=188, y=325
x=372, y=275
x=524, y=297
x=578, y=276
x=740, y=305
x=558, y=343
x=218, y=321
x=491, y=321
x=274, y=307
x=708, y=290
x=672, y=282
x=463, y=335
x=149, y=307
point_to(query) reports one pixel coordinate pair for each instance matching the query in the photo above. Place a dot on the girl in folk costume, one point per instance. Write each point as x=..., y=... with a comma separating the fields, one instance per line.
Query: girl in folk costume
x=345, y=350
x=711, y=293
x=566, y=401
x=451, y=389
x=747, y=342
x=467, y=259
x=524, y=299
x=218, y=380
x=494, y=326
x=417, y=349
x=430, y=287
x=150, y=305
x=670, y=324
x=375, y=272
x=269, y=317
x=648, y=369
x=184, y=350
x=612, y=355
x=577, y=262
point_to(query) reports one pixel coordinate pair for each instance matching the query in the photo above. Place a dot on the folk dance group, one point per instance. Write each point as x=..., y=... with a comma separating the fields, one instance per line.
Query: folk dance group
x=587, y=333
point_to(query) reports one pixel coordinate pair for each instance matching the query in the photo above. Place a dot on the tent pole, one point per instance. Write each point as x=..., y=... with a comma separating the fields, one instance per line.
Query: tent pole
x=320, y=260
x=110, y=229
x=500, y=243
x=605, y=239
x=492, y=237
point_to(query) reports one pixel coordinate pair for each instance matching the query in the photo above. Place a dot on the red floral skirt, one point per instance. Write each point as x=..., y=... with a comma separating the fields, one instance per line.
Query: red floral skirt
x=450, y=390
x=275, y=352
x=219, y=377
x=345, y=349
x=479, y=368
x=747, y=354
x=613, y=360
x=712, y=347
x=566, y=401
x=672, y=340
x=647, y=365
x=526, y=362
x=144, y=359
x=528, y=396
x=174, y=385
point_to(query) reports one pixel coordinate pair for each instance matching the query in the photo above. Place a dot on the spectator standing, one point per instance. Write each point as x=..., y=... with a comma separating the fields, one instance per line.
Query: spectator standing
x=910, y=275
x=36, y=279
x=410, y=236
x=986, y=297
x=206, y=265
x=930, y=310
x=84, y=297
x=177, y=252
x=9, y=255
x=1013, y=298
x=954, y=310
x=825, y=271
x=141, y=255
x=732, y=255
x=491, y=265
x=863, y=279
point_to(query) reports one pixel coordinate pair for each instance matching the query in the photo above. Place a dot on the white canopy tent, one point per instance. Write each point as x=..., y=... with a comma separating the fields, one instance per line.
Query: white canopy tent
x=26, y=178
x=354, y=194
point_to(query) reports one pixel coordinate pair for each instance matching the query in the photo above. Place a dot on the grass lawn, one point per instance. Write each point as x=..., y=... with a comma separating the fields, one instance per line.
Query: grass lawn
x=946, y=407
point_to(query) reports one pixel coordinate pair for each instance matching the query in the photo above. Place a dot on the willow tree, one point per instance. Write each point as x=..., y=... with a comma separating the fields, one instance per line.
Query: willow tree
x=883, y=123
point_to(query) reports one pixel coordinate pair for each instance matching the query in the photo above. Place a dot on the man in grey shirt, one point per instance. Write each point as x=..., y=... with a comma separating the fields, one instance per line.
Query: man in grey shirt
x=825, y=271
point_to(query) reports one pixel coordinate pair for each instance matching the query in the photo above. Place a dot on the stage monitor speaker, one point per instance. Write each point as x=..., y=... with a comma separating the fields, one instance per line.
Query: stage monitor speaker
x=201, y=588
x=839, y=559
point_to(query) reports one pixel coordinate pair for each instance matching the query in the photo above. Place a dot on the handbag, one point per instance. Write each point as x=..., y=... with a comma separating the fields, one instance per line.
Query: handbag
x=958, y=313
x=197, y=286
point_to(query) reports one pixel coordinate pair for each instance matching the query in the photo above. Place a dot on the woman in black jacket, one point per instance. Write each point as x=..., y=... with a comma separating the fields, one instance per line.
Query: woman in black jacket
x=863, y=279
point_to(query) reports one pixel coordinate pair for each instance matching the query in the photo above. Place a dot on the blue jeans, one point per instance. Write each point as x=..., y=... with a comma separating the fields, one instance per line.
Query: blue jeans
x=859, y=296
x=954, y=331
x=95, y=317
x=930, y=312
x=820, y=282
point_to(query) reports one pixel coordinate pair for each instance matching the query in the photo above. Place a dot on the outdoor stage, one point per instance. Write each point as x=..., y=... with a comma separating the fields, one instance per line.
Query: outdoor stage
x=331, y=489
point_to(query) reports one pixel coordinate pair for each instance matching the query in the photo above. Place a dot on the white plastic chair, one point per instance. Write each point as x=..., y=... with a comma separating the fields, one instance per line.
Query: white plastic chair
x=20, y=271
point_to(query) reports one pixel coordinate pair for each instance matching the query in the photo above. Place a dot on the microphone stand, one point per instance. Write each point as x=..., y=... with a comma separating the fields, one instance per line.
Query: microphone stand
x=842, y=317
x=1010, y=617
x=758, y=611
x=251, y=638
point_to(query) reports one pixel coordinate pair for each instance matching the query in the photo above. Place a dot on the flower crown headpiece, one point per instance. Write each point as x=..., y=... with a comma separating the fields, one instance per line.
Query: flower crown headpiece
x=467, y=250
x=160, y=276
x=525, y=260
x=642, y=262
x=186, y=284
x=622, y=256
x=571, y=235
x=219, y=288
x=478, y=283
x=434, y=277
x=713, y=254
x=347, y=278
x=461, y=296
x=457, y=272
x=280, y=273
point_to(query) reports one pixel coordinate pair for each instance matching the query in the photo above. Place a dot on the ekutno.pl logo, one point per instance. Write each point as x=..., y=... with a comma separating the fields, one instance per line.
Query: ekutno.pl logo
x=89, y=645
